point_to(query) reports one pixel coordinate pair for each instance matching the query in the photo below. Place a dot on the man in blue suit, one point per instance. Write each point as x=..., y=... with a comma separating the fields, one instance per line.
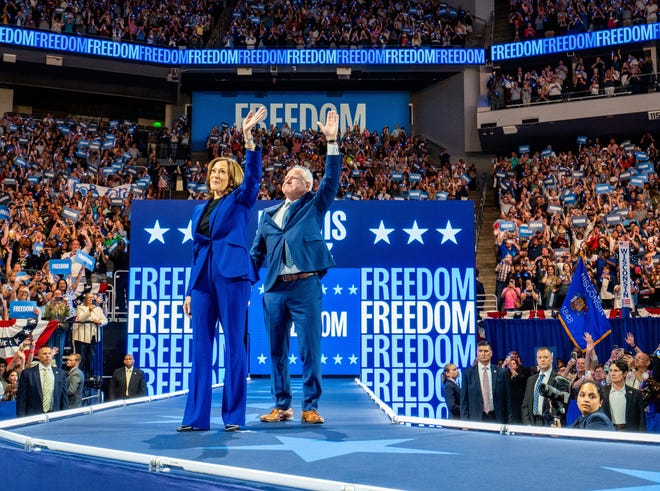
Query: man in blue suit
x=485, y=390
x=32, y=397
x=289, y=240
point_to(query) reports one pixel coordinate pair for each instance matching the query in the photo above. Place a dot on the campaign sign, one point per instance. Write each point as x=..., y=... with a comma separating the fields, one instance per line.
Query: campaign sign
x=22, y=309
x=523, y=149
x=603, y=189
x=582, y=140
x=397, y=307
x=85, y=259
x=61, y=267
x=70, y=213
x=4, y=213
x=442, y=195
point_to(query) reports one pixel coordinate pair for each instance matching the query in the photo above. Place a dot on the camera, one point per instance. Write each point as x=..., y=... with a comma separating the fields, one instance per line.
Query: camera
x=558, y=395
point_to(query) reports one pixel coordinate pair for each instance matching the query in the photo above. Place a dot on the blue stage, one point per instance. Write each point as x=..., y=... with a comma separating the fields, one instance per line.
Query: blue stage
x=359, y=444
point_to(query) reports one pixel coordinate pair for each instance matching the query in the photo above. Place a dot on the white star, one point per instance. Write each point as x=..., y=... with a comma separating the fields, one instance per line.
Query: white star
x=261, y=289
x=262, y=359
x=415, y=233
x=352, y=290
x=324, y=288
x=353, y=359
x=156, y=233
x=292, y=359
x=324, y=359
x=337, y=359
x=187, y=232
x=448, y=233
x=338, y=290
x=381, y=233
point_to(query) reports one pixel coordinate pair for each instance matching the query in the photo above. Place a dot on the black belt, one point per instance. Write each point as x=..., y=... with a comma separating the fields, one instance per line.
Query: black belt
x=296, y=276
x=620, y=426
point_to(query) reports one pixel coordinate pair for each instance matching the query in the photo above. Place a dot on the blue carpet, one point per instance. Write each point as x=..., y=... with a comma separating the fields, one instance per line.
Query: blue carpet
x=359, y=444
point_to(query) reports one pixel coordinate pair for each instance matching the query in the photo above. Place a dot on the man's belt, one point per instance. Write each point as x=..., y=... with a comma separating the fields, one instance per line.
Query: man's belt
x=296, y=276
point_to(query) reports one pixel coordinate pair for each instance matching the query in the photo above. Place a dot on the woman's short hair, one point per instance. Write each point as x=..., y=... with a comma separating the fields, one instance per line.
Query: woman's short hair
x=234, y=173
x=599, y=389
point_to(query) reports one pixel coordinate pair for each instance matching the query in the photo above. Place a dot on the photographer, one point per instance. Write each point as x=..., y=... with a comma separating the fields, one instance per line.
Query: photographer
x=529, y=297
x=536, y=409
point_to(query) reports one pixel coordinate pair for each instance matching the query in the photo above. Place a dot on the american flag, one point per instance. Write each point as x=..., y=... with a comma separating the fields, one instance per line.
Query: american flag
x=162, y=180
x=14, y=331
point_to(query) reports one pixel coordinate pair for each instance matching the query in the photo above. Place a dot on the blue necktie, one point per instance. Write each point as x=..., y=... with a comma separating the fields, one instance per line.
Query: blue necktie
x=537, y=390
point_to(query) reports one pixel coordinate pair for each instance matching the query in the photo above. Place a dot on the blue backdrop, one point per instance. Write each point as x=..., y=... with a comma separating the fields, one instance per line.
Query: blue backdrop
x=398, y=306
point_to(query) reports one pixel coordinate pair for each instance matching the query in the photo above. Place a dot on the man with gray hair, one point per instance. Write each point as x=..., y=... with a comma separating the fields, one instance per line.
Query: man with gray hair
x=289, y=240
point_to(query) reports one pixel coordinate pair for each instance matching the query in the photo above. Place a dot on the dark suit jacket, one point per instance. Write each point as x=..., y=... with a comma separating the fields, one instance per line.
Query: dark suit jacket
x=471, y=400
x=528, y=402
x=137, y=387
x=453, y=399
x=227, y=227
x=594, y=421
x=75, y=383
x=635, y=417
x=29, y=397
x=302, y=231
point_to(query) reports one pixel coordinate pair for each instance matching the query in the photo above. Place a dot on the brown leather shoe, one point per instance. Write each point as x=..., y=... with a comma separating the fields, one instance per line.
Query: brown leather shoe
x=312, y=417
x=277, y=415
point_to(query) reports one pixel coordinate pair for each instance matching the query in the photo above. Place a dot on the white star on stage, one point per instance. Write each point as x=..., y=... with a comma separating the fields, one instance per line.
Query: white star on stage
x=381, y=233
x=187, y=232
x=261, y=289
x=353, y=359
x=324, y=288
x=324, y=359
x=292, y=359
x=312, y=450
x=448, y=233
x=352, y=290
x=415, y=233
x=262, y=359
x=338, y=359
x=337, y=290
x=156, y=233
x=651, y=476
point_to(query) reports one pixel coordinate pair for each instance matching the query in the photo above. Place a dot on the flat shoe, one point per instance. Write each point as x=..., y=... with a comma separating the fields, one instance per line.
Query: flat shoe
x=186, y=428
x=230, y=428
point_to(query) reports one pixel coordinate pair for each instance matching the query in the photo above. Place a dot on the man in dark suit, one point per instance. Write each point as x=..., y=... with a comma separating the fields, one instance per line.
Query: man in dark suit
x=535, y=408
x=42, y=388
x=622, y=403
x=289, y=240
x=136, y=385
x=74, y=380
x=485, y=389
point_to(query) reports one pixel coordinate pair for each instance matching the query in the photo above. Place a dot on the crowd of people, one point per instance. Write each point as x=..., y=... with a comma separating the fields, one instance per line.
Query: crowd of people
x=632, y=73
x=347, y=25
x=582, y=201
x=622, y=393
x=529, y=20
x=185, y=23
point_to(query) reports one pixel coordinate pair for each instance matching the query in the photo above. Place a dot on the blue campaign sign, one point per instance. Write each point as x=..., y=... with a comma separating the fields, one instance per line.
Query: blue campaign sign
x=22, y=309
x=301, y=110
x=60, y=266
x=398, y=306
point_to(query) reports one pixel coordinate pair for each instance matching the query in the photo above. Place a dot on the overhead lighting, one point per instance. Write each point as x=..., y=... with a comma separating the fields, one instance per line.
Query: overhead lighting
x=244, y=71
x=344, y=72
x=53, y=60
x=9, y=57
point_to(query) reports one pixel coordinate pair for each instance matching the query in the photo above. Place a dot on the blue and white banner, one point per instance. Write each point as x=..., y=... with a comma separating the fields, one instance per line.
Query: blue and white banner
x=582, y=140
x=4, y=213
x=523, y=149
x=22, y=309
x=398, y=306
x=301, y=111
x=624, y=274
x=579, y=221
x=603, y=188
x=85, y=259
x=70, y=214
x=613, y=218
x=60, y=267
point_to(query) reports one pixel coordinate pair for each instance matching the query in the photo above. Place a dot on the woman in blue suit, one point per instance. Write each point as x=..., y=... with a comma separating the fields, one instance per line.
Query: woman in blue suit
x=220, y=280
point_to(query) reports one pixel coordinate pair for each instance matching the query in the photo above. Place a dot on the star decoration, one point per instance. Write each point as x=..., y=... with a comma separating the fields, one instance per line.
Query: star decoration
x=311, y=450
x=324, y=359
x=337, y=290
x=415, y=233
x=156, y=233
x=646, y=475
x=353, y=359
x=262, y=359
x=324, y=288
x=352, y=290
x=381, y=233
x=187, y=232
x=292, y=359
x=338, y=359
x=261, y=289
x=448, y=233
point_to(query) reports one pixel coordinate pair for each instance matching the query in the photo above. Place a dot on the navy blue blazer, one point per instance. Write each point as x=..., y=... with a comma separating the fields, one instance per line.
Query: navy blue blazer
x=227, y=226
x=635, y=417
x=471, y=400
x=453, y=399
x=29, y=396
x=302, y=231
x=597, y=420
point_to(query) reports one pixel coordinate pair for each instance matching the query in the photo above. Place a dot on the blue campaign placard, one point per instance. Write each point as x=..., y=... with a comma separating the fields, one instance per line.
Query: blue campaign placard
x=397, y=307
x=22, y=309
x=60, y=266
